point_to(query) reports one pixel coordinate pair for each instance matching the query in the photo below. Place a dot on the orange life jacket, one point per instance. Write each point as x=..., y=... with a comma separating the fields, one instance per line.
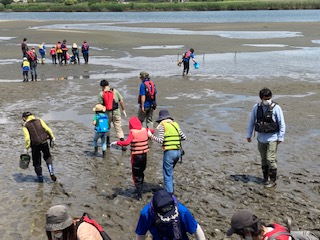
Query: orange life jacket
x=139, y=144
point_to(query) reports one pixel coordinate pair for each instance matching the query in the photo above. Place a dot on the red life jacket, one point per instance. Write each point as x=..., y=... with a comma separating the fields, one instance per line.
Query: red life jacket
x=53, y=51
x=108, y=100
x=139, y=144
x=86, y=218
x=277, y=228
x=31, y=55
x=150, y=91
x=187, y=54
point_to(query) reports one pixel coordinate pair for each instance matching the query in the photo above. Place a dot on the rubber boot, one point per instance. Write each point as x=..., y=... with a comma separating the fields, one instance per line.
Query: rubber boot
x=139, y=192
x=273, y=178
x=51, y=172
x=95, y=150
x=38, y=171
x=32, y=78
x=265, y=172
x=104, y=153
x=108, y=141
x=123, y=148
x=35, y=77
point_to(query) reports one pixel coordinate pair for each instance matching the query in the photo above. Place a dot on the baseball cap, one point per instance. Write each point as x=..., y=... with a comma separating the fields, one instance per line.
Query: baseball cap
x=163, y=203
x=241, y=219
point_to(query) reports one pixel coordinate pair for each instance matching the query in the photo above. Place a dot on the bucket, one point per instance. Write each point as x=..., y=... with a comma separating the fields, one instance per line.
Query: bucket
x=24, y=161
x=196, y=65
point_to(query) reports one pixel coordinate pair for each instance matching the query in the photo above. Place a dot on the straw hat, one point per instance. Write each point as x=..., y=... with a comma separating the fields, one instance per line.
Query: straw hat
x=99, y=108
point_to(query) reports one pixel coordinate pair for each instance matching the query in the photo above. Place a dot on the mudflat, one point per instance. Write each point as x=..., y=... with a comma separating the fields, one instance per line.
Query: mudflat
x=220, y=172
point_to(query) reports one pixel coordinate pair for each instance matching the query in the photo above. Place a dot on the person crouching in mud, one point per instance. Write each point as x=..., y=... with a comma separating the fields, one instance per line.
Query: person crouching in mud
x=166, y=218
x=36, y=132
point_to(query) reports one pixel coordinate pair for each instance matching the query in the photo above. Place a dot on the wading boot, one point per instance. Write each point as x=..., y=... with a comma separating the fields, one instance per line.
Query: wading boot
x=123, y=148
x=265, y=172
x=108, y=142
x=51, y=172
x=273, y=178
x=139, y=193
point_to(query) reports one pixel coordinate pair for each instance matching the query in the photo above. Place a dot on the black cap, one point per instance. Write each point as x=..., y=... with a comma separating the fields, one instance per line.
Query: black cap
x=104, y=83
x=26, y=114
x=241, y=219
x=163, y=203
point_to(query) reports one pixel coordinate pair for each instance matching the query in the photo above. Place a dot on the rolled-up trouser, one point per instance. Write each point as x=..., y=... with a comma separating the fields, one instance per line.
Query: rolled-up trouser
x=170, y=158
x=146, y=115
x=268, y=153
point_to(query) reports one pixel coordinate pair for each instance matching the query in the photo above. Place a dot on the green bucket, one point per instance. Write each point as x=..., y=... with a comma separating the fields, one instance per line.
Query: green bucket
x=24, y=161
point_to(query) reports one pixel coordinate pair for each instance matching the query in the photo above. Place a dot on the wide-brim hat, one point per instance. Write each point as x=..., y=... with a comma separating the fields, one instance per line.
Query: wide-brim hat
x=57, y=218
x=240, y=220
x=99, y=108
x=164, y=204
x=163, y=114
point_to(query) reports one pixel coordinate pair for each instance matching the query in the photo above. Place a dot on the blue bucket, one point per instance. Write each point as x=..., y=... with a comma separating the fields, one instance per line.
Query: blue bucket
x=196, y=65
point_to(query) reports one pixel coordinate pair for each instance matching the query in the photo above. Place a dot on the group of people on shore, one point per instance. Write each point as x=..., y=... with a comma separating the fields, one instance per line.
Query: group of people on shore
x=59, y=55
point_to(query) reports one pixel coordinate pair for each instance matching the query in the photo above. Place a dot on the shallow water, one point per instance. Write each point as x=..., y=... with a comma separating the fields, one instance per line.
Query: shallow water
x=220, y=171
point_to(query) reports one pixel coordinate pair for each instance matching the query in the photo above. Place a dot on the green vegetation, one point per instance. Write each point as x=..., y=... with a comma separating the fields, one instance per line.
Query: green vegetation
x=156, y=5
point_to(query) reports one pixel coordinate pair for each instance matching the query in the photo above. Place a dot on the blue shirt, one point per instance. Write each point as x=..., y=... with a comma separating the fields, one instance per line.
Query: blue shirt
x=277, y=116
x=142, y=92
x=145, y=224
x=188, y=58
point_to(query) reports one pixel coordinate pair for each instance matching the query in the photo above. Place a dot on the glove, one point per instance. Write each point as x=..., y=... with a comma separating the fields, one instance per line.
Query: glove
x=113, y=143
x=124, y=113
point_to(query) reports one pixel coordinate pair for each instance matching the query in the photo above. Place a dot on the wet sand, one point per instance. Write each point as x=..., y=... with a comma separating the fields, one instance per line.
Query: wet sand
x=220, y=172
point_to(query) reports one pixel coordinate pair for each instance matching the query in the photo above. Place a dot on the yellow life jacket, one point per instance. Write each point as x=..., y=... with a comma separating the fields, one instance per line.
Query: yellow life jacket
x=171, y=136
x=26, y=64
x=139, y=144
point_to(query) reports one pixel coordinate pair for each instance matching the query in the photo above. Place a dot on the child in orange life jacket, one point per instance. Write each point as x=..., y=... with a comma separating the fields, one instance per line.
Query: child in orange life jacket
x=138, y=139
x=53, y=54
x=25, y=69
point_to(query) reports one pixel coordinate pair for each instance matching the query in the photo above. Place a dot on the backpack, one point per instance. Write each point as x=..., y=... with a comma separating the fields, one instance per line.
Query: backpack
x=296, y=235
x=264, y=122
x=168, y=229
x=103, y=123
x=108, y=100
x=86, y=218
x=150, y=90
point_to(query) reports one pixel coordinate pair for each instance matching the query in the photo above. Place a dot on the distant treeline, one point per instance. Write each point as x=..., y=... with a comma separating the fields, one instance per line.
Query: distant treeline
x=156, y=5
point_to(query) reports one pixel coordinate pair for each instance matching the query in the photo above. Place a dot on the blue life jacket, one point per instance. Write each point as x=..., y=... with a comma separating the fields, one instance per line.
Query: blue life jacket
x=102, y=125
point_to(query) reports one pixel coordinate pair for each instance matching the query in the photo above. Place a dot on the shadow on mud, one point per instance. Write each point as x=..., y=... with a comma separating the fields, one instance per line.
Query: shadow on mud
x=20, y=178
x=246, y=178
x=131, y=191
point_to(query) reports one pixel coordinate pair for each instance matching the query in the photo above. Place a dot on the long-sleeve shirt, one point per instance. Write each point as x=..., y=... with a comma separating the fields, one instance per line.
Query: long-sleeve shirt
x=277, y=116
x=160, y=137
x=27, y=134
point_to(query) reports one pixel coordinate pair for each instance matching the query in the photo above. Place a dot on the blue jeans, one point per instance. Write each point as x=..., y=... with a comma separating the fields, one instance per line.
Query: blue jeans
x=170, y=158
x=103, y=137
